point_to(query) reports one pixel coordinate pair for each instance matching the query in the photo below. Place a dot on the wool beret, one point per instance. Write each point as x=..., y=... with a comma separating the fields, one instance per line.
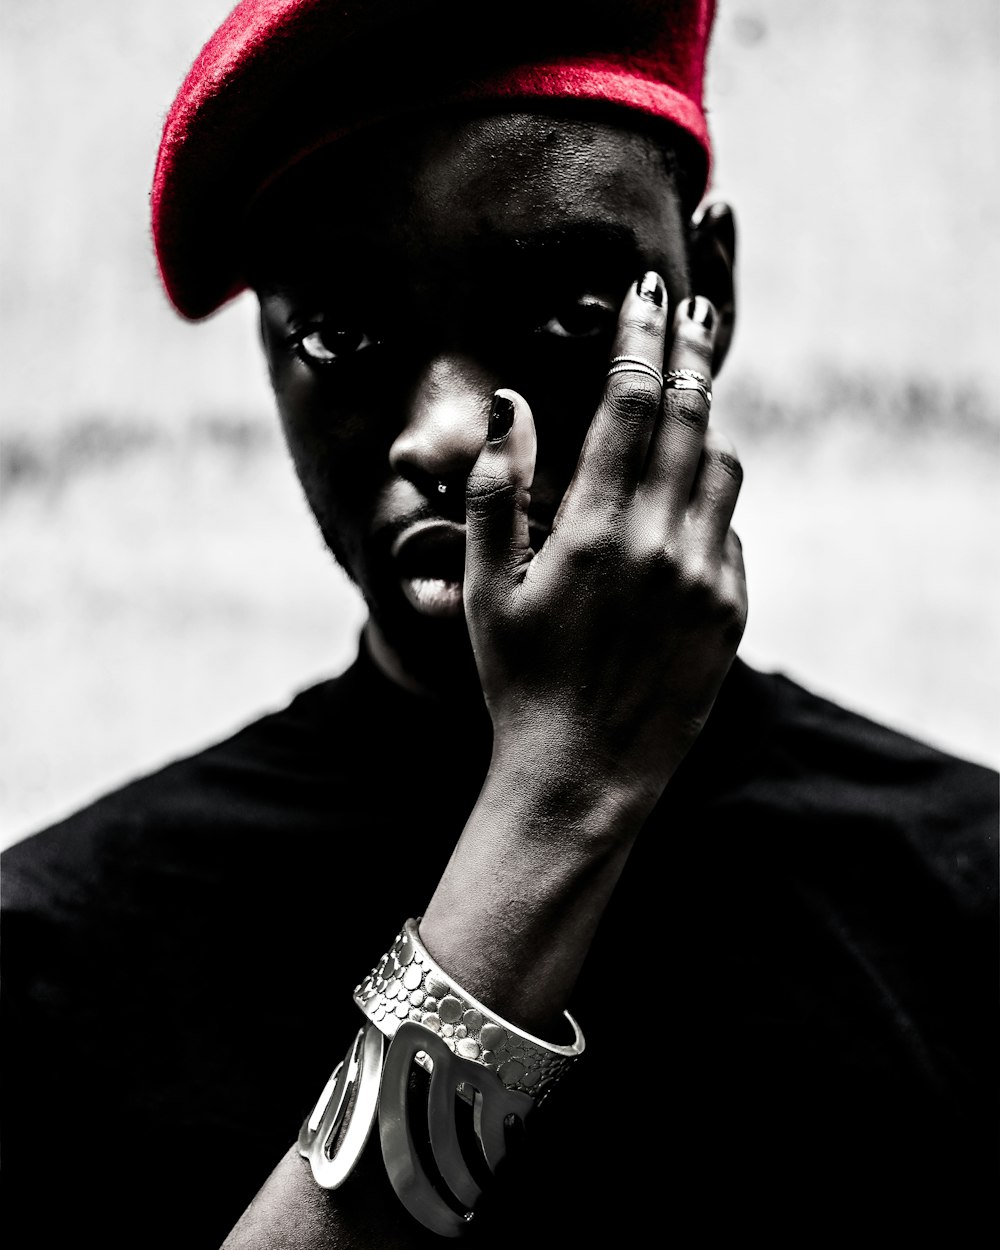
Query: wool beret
x=281, y=78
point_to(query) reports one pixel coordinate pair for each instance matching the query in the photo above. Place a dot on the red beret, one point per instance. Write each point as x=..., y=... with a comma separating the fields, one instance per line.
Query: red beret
x=280, y=78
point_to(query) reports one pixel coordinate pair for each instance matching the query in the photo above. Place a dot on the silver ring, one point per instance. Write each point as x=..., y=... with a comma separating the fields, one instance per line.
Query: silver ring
x=632, y=364
x=442, y=487
x=689, y=380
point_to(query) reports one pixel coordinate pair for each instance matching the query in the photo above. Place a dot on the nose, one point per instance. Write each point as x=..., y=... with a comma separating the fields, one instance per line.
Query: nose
x=447, y=410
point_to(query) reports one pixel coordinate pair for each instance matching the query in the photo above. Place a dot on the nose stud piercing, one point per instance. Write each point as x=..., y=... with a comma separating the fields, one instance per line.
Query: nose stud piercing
x=442, y=487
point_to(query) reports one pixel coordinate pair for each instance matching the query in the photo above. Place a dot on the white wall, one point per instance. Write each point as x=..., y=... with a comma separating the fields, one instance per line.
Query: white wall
x=156, y=596
x=857, y=140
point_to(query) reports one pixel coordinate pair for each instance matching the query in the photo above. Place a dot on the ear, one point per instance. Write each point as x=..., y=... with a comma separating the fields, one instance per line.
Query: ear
x=712, y=252
x=266, y=337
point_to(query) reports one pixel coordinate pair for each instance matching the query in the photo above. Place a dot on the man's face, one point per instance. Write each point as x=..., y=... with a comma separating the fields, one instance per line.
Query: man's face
x=401, y=282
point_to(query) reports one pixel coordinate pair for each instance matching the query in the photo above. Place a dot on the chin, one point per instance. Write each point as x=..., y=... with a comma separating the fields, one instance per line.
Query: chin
x=431, y=650
x=427, y=646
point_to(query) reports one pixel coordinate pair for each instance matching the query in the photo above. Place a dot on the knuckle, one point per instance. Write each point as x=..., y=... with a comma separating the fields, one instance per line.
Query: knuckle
x=727, y=462
x=718, y=440
x=733, y=605
x=641, y=324
x=650, y=554
x=695, y=343
x=699, y=583
x=601, y=541
x=688, y=408
x=692, y=576
x=734, y=620
x=485, y=492
x=633, y=398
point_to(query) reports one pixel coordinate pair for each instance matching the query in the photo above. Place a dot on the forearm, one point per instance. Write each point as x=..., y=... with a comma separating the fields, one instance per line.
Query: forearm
x=511, y=920
x=521, y=898
x=291, y=1212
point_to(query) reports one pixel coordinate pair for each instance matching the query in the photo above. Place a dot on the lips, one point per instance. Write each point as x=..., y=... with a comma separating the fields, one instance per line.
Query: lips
x=430, y=561
x=429, y=557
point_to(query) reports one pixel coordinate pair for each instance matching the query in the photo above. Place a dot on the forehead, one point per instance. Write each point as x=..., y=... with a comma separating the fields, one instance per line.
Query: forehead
x=472, y=186
x=510, y=172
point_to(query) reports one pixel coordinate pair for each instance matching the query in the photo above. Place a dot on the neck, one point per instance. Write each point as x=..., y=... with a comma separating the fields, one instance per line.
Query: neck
x=451, y=677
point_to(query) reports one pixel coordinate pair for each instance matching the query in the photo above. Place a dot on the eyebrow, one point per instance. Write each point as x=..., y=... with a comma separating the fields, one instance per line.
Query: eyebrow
x=600, y=248
x=605, y=245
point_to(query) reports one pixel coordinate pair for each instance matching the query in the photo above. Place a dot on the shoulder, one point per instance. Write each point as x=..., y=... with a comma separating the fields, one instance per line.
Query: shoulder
x=844, y=757
x=148, y=928
x=835, y=770
x=188, y=814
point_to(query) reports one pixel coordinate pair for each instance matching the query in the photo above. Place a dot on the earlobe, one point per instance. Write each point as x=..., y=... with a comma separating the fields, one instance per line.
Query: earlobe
x=713, y=261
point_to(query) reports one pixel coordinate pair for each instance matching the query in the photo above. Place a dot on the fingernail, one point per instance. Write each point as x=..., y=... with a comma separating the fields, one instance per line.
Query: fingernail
x=701, y=311
x=650, y=286
x=501, y=419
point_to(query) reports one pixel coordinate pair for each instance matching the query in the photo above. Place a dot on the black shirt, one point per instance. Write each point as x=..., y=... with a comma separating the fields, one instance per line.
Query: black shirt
x=791, y=1006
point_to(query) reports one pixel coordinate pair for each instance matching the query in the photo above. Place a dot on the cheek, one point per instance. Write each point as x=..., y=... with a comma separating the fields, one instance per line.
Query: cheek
x=340, y=452
x=564, y=398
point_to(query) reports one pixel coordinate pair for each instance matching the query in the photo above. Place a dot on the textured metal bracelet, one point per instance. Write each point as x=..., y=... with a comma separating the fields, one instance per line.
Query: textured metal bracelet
x=463, y=1053
x=406, y=984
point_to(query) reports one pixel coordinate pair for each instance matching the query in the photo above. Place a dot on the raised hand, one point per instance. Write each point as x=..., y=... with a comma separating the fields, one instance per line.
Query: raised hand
x=607, y=647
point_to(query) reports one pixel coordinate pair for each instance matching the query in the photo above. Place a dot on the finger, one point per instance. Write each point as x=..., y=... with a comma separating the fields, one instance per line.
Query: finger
x=617, y=442
x=716, y=486
x=732, y=556
x=734, y=585
x=497, y=546
x=675, y=450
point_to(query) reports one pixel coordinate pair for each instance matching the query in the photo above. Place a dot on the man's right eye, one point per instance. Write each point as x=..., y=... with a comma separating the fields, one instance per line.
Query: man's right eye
x=322, y=344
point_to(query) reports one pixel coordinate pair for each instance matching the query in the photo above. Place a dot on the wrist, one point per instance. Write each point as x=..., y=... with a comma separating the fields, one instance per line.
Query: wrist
x=535, y=866
x=560, y=778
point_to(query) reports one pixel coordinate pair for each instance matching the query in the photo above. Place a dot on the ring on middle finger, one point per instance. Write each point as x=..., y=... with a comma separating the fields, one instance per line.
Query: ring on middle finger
x=633, y=364
x=689, y=380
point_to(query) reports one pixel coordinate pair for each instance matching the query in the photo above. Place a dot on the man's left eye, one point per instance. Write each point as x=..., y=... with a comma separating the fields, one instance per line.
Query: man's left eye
x=584, y=318
x=320, y=344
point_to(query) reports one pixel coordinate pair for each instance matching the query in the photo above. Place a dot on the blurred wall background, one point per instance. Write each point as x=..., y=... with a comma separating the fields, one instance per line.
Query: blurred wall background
x=161, y=579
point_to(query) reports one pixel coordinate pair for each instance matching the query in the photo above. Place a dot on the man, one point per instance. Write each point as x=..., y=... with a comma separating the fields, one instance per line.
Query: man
x=492, y=327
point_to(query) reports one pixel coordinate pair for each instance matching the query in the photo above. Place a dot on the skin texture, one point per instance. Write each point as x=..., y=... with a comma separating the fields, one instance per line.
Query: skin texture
x=404, y=282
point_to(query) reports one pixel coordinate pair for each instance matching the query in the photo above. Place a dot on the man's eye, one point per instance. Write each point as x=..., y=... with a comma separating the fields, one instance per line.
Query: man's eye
x=326, y=345
x=583, y=318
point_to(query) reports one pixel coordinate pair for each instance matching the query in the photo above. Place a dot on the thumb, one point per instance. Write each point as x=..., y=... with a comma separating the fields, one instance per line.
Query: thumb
x=496, y=498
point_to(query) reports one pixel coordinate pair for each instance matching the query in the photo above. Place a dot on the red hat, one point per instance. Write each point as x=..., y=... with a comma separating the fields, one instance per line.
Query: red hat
x=280, y=78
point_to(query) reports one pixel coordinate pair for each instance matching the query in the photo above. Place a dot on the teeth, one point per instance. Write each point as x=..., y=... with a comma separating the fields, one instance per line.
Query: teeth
x=433, y=596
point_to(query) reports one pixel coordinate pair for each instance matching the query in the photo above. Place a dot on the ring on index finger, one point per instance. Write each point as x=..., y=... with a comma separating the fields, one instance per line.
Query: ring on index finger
x=688, y=380
x=633, y=364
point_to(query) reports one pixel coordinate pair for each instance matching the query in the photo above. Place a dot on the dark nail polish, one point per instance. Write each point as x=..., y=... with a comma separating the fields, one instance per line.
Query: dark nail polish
x=701, y=311
x=501, y=419
x=650, y=286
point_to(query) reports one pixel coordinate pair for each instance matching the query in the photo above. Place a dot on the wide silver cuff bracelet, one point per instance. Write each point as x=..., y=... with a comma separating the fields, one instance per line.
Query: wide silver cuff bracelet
x=445, y=1088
